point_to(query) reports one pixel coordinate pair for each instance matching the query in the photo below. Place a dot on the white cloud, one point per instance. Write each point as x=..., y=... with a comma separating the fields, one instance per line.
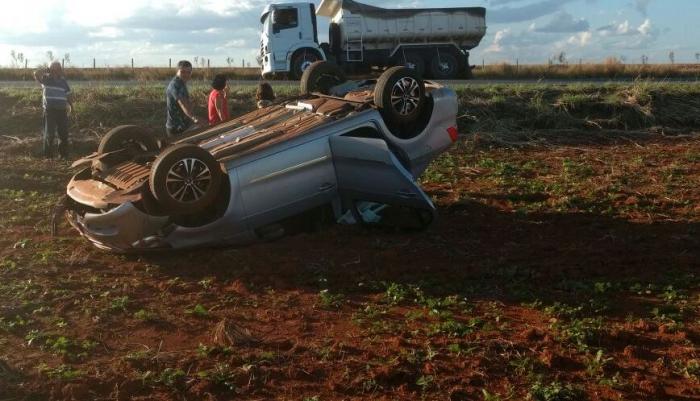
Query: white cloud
x=645, y=28
x=564, y=22
x=623, y=28
x=581, y=39
x=107, y=32
x=235, y=43
x=497, y=45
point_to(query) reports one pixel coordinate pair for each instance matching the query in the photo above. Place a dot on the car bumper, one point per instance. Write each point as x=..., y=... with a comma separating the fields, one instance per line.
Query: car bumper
x=122, y=229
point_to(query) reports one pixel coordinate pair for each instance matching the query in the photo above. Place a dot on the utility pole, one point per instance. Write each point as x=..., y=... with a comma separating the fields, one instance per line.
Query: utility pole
x=94, y=64
x=170, y=63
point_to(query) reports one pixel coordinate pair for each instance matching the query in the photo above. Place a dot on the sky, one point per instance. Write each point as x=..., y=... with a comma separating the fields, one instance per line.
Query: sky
x=153, y=31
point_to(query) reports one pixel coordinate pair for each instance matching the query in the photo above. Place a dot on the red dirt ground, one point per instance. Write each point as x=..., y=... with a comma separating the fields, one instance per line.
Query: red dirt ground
x=556, y=272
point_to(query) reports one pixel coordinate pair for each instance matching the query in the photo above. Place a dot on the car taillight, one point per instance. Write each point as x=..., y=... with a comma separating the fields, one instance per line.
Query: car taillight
x=454, y=134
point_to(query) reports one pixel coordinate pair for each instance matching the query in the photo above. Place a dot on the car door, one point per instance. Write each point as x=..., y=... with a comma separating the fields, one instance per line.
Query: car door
x=367, y=170
x=287, y=182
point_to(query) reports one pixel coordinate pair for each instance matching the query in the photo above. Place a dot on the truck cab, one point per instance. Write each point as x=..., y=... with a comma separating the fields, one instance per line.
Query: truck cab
x=289, y=39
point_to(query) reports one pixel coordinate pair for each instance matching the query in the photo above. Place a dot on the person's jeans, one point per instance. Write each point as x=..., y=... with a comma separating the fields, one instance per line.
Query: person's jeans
x=55, y=121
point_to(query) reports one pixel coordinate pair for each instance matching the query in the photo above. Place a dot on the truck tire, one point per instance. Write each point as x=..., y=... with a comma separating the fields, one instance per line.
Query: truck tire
x=301, y=61
x=185, y=179
x=400, y=95
x=444, y=66
x=320, y=77
x=413, y=61
x=128, y=137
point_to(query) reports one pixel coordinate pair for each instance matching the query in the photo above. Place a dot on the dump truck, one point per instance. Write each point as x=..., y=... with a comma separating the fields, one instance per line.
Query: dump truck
x=435, y=42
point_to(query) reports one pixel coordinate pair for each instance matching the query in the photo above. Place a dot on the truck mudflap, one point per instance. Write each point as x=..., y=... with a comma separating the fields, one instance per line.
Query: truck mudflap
x=122, y=229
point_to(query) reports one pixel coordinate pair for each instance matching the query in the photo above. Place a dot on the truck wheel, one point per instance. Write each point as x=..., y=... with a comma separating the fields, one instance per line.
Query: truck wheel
x=400, y=95
x=413, y=61
x=321, y=76
x=128, y=137
x=185, y=179
x=445, y=66
x=301, y=62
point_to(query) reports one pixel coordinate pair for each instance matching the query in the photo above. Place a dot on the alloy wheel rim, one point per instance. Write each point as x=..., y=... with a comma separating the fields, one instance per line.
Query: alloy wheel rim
x=188, y=180
x=405, y=96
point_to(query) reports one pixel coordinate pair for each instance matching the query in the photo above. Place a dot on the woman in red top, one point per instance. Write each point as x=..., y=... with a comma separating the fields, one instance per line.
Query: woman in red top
x=218, y=100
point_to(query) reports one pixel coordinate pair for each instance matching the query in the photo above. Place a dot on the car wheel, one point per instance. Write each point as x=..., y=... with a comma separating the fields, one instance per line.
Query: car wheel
x=400, y=95
x=301, y=62
x=185, y=179
x=321, y=76
x=128, y=137
x=444, y=67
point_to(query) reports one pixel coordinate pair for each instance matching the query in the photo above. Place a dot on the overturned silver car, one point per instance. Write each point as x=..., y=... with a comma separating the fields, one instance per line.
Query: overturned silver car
x=349, y=151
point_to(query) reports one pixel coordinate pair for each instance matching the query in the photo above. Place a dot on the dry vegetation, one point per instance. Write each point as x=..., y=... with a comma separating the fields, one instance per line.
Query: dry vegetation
x=610, y=69
x=129, y=74
x=563, y=267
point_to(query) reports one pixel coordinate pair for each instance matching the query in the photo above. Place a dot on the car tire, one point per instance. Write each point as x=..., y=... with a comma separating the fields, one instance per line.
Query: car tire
x=185, y=179
x=446, y=66
x=128, y=137
x=301, y=62
x=400, y=95
x=320, y=77
x=413, y=61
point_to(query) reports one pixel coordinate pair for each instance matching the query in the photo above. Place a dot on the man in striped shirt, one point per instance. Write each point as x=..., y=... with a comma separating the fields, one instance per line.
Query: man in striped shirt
x=57, y=104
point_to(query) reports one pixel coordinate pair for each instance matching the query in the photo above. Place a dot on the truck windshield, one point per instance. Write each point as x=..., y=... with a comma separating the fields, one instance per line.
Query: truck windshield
x=266, y=23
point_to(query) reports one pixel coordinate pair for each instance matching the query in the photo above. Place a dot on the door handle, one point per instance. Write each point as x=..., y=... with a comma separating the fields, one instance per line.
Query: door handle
x=405, y=194
x=326, y=187
x=299, y=35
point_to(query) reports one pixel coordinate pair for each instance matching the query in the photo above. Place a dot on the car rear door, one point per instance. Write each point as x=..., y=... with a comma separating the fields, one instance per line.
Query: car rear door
x=288, y=182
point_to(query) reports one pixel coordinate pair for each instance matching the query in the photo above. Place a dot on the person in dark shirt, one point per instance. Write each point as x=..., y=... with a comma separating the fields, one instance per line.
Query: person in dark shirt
x=56, y=101
x=180, y=114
